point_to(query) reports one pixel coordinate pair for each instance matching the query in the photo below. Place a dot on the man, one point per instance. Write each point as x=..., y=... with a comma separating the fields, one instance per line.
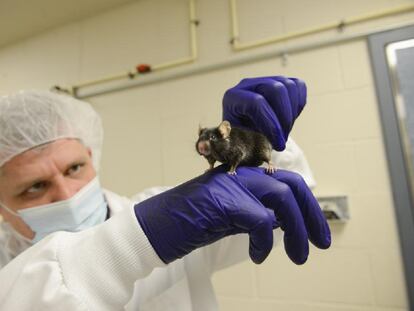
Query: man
x=84, y=248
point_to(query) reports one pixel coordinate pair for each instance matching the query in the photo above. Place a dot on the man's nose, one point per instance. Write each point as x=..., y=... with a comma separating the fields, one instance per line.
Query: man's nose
x=62, y=190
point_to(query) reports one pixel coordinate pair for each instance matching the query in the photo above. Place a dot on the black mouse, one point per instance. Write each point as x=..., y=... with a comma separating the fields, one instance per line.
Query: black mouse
x=234, y=146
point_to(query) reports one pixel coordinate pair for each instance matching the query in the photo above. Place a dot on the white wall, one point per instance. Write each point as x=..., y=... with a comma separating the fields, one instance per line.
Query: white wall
x=150, y=131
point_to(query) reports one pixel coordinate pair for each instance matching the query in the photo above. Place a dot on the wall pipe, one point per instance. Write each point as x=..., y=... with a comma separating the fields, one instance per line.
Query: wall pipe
x=131, y=75
x=193, y=43
x=237, y=61
x=238, y=46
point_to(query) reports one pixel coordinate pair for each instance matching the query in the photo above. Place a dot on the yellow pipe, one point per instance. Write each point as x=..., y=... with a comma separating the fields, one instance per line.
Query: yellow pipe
x=293, y=35
x=193, y=30
x=235, y=23
x=163, y=66
x=101, y=80
x=193, y=44
x=172, y=64
x=380, y=14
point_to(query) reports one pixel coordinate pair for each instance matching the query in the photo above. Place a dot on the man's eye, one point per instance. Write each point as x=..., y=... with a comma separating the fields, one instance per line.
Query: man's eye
x=75, y=168
x=37, y=187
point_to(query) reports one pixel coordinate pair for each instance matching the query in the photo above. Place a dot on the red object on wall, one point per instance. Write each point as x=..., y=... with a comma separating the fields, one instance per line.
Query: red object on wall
x=143, y=68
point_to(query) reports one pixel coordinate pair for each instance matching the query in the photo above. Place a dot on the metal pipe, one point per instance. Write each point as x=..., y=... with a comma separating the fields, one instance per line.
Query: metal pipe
x=130, y=75
x=242, y=60
x=237, y=46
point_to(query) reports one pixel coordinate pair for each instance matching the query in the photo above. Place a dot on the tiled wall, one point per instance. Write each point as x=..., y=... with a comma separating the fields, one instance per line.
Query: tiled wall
x=150, y=131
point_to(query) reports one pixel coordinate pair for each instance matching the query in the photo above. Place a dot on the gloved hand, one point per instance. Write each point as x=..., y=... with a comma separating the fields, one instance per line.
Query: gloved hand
x=268, y=105
x=216, y=204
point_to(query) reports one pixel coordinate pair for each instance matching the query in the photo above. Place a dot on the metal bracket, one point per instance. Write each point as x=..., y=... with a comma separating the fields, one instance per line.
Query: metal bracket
x=335, y=208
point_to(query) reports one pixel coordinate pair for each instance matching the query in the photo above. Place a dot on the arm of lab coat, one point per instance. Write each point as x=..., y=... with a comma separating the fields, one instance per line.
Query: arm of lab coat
x=90, y=270
x=293, y=159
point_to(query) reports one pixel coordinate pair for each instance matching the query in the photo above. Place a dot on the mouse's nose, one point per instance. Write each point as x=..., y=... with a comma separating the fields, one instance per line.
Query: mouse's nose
x=203, y=148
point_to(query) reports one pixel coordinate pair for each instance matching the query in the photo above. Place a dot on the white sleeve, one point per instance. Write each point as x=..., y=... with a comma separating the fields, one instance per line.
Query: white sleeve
x=90, y=270
x=293, y=159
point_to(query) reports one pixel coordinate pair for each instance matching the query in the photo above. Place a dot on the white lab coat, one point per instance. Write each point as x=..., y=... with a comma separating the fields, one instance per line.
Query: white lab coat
x=97, y=269
x=113, y=267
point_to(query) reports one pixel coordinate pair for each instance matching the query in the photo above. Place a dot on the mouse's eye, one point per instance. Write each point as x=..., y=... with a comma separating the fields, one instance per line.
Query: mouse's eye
x=213, y=137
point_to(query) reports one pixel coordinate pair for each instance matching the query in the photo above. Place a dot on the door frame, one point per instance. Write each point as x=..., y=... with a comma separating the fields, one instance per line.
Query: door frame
x=400, y=179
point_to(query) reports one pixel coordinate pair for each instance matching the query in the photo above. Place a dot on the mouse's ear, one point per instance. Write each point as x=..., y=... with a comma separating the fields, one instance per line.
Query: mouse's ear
x=224, y=128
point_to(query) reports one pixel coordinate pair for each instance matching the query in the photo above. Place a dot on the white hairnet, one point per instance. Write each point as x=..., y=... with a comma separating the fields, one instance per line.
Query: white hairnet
x=32, y=118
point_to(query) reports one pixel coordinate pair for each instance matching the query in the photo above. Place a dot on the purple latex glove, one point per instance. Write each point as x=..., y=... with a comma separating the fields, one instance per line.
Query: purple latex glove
x=268, y=105
x=216, y=204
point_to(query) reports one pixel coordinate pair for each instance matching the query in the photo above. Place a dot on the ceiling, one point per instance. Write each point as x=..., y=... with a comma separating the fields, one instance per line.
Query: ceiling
x=20, y=19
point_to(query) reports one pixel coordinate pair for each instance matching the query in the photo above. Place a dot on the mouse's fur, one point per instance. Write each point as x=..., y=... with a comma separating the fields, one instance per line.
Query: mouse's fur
x=234, y=146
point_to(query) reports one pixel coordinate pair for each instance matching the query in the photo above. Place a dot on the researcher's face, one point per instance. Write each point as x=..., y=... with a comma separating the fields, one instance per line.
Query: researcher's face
x=52, y=173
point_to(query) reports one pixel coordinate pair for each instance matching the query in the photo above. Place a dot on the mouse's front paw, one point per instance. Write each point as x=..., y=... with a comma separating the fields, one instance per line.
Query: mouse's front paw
x=232, y=172
x=270, y=169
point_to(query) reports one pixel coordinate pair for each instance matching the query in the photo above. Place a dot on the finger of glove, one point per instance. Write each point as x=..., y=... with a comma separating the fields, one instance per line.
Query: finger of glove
x=302, y=94
x=316, y=224
x=296, y=89
x=278, y=196
x=261, y=239
x=277, y=96
x=250, y=110
x=250, y=83
x=293, y=91
x=257, y=221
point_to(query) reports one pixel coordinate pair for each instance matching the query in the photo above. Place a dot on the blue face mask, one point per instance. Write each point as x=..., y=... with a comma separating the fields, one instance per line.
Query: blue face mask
x=87, y=208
